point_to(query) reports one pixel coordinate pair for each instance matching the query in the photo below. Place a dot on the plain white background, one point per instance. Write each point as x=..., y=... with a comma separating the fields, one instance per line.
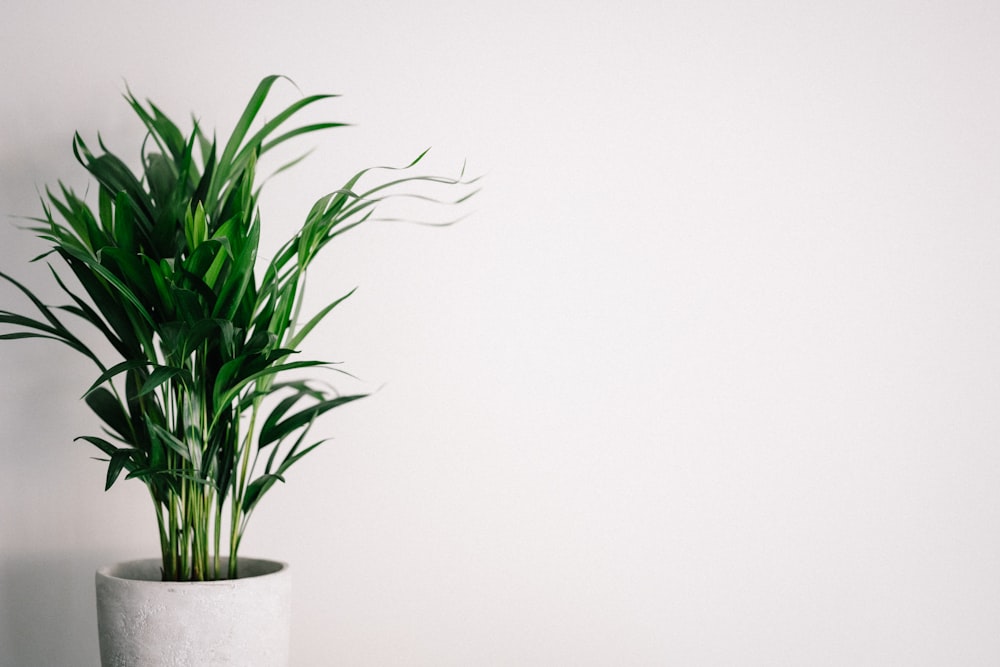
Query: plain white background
x=710, y=376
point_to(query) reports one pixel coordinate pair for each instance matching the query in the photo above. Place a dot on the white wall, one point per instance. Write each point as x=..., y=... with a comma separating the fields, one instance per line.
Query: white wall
x=710, y=377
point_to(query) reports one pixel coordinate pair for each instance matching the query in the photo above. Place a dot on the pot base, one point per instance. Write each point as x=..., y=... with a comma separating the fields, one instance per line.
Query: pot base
x=243, y=622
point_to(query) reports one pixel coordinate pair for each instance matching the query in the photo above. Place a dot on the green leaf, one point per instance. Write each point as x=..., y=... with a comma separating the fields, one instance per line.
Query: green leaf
x=110, y=410
x=113, y=174
x=280, y=410
x=125, y=222
x=115, y=370
x=86, y=312
x=195, y=227
x=274, y=431
x=105, y=301
x=131, y=271
x=121, y=458
x=100, y=443
x=54, y=330
x=122, y=288
x=311, y=324
x=46, y=312
x=246, y=119
x=256, y=490
x=167, y=438
x=163, y=296
x=162, y=374
x=241, y=276
x=229, y=395
x=106, y=208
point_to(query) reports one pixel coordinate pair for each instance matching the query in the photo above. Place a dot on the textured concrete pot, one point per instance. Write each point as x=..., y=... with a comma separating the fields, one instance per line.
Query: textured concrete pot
x=145, y=622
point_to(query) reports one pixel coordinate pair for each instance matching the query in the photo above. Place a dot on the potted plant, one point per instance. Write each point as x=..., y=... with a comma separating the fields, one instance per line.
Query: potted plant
x=196, y=381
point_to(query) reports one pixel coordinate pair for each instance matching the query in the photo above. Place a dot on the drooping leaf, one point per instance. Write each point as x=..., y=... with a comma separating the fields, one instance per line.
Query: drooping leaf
x=316, y=319
x=116, y=370
x=276, y=430
x=120, y=459
x=225, y=396
x=110, y=410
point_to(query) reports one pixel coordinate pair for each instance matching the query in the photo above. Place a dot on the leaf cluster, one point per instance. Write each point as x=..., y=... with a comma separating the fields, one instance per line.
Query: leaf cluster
x=202, y=333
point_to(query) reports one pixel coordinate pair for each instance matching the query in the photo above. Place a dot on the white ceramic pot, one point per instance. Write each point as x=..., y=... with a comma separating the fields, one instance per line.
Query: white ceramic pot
x=145, y=622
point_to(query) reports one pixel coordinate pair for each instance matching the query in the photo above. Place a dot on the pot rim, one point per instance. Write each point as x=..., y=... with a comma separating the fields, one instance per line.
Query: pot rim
x=149, y=571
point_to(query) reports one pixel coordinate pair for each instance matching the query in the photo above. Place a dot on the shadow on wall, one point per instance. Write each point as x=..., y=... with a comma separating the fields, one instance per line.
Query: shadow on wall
x=47, y=610
x=47, y=600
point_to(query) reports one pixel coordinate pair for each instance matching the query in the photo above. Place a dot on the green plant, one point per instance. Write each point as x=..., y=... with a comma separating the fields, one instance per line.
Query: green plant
x=194, y=394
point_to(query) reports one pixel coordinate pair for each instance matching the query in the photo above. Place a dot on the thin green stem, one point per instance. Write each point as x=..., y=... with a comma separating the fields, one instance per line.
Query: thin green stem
x=239, y=491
